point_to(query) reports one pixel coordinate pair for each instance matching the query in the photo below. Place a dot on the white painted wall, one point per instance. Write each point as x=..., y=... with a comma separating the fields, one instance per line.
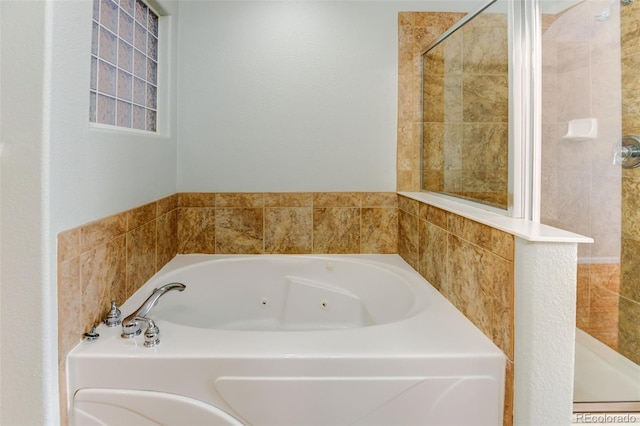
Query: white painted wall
x=23, y=247
x=96, y=172
x=58, y=173
x=290, y=95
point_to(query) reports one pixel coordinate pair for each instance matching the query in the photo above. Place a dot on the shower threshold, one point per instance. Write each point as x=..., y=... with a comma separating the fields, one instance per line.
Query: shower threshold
x=604, y=380
x=608, y=407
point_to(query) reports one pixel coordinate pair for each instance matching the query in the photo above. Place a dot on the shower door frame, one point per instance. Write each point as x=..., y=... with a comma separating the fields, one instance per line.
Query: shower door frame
x=525, y=122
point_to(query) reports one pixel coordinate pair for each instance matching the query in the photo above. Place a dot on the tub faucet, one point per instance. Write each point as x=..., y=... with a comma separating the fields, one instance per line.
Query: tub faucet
x=131, y=324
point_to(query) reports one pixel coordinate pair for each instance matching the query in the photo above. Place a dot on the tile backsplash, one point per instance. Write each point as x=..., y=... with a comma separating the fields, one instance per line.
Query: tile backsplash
x=108, y=259
x=287, y=223
x=112, y=257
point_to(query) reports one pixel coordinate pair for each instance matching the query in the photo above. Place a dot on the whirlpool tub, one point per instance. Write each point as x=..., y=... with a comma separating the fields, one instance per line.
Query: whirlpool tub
x=291, y=340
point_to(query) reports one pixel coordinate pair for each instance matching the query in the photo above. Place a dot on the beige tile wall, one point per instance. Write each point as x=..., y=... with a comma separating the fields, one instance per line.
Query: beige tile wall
x=465, y=133
x=108, y=259
x=416, y=30
x=471, y=264
x=112, y=257
x=598, y=301
x=461, y=172
x=629, y=301
x=287, y=223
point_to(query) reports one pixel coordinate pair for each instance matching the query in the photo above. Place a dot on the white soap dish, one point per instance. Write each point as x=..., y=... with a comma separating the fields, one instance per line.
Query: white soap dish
x=582, y=129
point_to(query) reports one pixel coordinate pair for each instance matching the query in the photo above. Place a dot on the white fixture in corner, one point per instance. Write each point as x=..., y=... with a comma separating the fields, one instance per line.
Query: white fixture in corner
x=582, y=129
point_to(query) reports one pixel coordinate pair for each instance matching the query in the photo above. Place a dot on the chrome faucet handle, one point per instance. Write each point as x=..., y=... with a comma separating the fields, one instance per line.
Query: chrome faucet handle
x=114, y=315
x=130, y=329
x=91, y=335
x=151, y=334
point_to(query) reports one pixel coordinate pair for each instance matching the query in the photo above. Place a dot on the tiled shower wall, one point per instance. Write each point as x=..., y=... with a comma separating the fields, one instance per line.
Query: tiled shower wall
x=629, y=301
x=597, y=301
x=416, y=30
x=112, y=257
x=466, y=107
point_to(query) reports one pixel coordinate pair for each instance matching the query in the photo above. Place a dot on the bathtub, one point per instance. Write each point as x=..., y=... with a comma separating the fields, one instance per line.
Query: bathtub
x=291, y=340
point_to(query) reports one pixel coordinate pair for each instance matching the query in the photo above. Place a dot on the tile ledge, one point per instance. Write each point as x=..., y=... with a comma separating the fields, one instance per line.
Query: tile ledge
x=525, y=229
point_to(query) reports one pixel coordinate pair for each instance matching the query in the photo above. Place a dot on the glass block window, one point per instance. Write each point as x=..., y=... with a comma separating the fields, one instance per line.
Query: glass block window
x=124, y=65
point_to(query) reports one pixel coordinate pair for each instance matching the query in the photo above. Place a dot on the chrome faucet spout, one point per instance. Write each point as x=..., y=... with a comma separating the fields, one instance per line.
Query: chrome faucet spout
x=131, y=325
x=152, y=300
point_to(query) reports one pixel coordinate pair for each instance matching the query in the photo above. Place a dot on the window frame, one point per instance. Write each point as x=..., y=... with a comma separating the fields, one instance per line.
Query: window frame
x=125, y=84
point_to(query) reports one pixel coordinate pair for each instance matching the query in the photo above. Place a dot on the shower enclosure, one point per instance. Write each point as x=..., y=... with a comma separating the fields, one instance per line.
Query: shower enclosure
x=591, y=184
x=588, y=180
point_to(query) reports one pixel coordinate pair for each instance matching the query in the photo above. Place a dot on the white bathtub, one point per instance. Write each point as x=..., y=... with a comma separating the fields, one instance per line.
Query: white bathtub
x=291, y=340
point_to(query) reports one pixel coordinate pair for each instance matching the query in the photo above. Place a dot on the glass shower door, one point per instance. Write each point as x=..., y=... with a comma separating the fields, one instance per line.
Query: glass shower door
x=591, y=98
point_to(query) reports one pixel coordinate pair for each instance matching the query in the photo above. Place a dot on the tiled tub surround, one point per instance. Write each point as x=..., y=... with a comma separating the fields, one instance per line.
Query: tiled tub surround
x=471, y=264
x=479, y=260
x=470, y=261
x=287, y=223
x=112, y=257
x=105, y=260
